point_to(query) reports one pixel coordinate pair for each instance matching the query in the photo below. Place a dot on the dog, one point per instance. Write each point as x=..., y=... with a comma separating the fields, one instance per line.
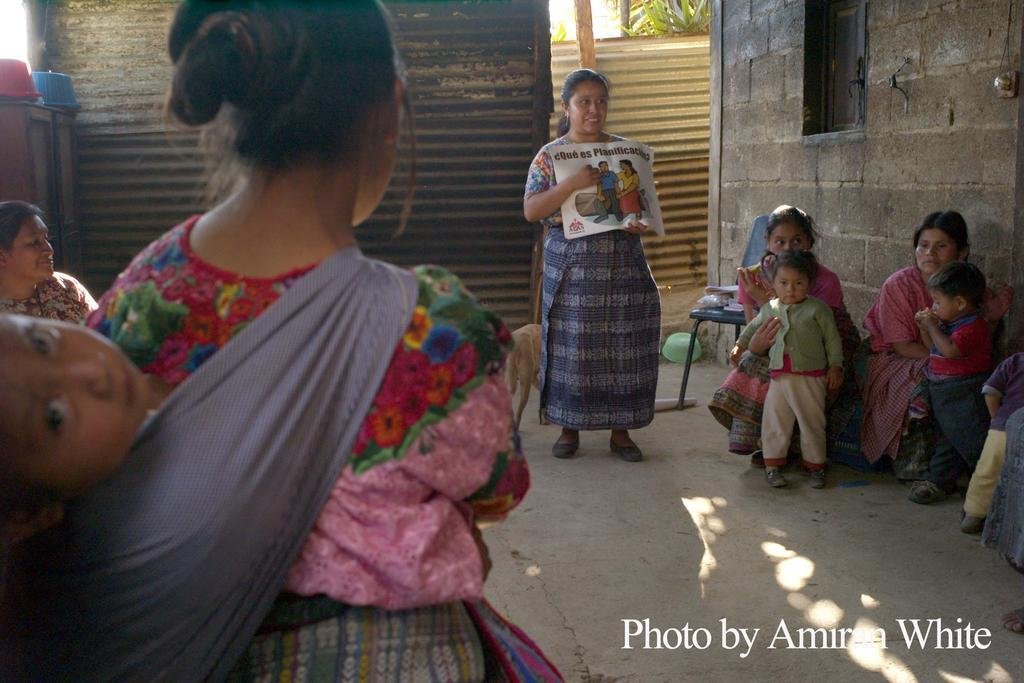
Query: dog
x=523, y=365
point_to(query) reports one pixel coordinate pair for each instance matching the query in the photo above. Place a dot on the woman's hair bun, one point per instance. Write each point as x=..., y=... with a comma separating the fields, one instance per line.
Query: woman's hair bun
x=214, y=67
x=299, y=76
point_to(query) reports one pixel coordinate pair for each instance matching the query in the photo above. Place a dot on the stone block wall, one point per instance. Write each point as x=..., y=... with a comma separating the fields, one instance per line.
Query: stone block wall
x=954, y=148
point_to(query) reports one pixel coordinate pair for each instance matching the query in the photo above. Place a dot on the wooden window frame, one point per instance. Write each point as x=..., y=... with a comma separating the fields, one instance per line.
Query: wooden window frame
x=820, y=86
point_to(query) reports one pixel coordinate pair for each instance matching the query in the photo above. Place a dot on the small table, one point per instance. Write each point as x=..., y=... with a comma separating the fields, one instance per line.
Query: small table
x=716, y=315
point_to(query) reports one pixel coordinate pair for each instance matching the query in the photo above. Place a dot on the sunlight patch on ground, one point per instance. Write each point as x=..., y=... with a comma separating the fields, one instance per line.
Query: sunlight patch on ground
x=794, y=573
x=995, y=674
x=866, y=644
x=701, y=513
x=716, y=524
x=777, y=551
x=798, y=601
x=824, y=614
x=533, y=570
x=777, y=533
x=873, y=656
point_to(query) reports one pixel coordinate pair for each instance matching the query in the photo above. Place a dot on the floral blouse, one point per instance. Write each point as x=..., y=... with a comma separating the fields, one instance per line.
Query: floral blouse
x=59, y=297
x=436, y=451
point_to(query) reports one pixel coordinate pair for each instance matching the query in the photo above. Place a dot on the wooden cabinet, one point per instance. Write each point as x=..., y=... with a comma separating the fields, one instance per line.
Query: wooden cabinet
x=37, y=164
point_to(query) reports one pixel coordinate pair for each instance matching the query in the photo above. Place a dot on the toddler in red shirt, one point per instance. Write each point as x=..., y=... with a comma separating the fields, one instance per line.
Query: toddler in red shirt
x=959, y=364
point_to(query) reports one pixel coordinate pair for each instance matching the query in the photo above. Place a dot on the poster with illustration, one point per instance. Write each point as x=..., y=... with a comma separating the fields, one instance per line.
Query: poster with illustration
x=624, y=191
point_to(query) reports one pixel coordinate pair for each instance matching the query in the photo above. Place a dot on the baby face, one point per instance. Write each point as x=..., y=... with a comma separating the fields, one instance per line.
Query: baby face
x=947, y=308
x=791, y=286
x=70, y=404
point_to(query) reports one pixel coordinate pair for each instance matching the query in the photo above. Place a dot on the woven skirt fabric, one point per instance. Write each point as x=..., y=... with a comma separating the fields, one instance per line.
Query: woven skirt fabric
x=601, y=319
x=1004, y=526
x=319, y=640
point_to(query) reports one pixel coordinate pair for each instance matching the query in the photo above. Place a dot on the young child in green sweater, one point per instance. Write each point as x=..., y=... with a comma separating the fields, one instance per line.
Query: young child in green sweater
x=805, y=361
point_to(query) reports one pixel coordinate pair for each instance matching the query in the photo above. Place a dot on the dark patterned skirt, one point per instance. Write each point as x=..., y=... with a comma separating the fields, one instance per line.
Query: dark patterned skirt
x=319, y=640
x=601, y=319
x=1004, y=526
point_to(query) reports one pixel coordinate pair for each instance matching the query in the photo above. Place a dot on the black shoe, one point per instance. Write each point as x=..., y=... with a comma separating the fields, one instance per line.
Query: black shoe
x=563, y=450
x=969, y=524
x=627, y=453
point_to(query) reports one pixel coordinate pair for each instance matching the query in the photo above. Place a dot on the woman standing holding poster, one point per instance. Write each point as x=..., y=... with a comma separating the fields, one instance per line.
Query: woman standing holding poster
x=601, y=315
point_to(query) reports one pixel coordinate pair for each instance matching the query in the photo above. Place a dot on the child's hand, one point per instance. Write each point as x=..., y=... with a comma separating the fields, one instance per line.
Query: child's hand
x=834, y=379
x=925, y=319
x=736, y=354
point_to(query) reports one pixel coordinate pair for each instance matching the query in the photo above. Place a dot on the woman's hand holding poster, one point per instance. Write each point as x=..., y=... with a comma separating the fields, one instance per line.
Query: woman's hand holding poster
x=624, y=192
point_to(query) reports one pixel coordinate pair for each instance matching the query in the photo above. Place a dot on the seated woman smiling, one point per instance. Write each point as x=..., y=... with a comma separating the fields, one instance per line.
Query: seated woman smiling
x=28, y=283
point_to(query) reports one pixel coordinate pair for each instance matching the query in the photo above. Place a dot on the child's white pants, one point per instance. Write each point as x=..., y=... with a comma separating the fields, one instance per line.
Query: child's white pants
x=792, y=398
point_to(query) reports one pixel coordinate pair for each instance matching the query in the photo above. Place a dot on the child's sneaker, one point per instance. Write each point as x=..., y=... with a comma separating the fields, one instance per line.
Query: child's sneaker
x=925, y=492
x=969, y=524
x=774, y=477
x=817, y=479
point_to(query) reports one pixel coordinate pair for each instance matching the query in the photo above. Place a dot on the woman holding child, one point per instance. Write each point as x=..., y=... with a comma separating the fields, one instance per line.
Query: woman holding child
x=897, y=416
x=739, y=403
x=383, y=567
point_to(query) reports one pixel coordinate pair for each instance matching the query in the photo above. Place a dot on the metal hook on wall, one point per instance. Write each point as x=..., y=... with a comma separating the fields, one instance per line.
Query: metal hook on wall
x=894, y=84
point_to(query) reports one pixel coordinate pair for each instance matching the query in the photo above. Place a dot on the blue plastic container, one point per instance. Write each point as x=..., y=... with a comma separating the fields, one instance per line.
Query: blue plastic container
x=56, y=89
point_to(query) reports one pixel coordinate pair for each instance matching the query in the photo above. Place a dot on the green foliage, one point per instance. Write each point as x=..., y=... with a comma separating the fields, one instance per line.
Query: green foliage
x=665, y=17
x=559, y=33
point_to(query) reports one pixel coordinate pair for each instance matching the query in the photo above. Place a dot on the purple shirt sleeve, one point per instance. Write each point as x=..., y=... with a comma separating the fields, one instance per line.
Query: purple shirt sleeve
x=998, y=379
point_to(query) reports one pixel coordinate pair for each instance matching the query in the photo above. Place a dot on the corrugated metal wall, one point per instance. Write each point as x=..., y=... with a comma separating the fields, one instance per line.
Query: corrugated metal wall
x=471, y=68
x=660, y=96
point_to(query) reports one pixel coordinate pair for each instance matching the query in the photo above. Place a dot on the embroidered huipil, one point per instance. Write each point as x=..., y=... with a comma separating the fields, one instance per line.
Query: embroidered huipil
x=58, y=297
x=436, y=450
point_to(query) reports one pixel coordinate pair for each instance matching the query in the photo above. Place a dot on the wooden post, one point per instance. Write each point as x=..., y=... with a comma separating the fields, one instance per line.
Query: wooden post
x=543, y=101
x=715, y=160
x=623, y=17
x=585, y=35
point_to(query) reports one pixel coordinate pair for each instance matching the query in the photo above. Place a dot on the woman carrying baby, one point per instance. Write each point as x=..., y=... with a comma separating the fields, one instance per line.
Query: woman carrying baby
x=312, y=94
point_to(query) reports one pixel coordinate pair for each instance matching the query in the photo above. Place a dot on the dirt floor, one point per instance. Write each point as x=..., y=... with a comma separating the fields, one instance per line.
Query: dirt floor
x=692, y=536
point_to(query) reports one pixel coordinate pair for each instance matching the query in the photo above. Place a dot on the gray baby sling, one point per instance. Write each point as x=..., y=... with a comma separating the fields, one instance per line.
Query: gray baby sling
x=166, y=570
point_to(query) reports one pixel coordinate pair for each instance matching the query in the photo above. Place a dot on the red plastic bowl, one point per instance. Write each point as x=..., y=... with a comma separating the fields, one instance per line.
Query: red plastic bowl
x=16, y=80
